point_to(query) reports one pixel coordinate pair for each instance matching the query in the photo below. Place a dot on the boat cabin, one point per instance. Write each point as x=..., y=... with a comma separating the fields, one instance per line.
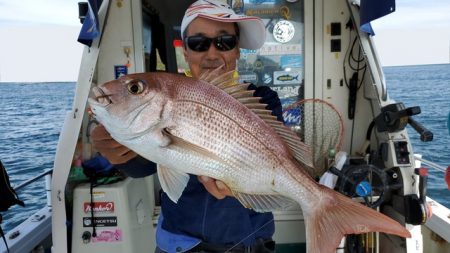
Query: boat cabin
x=318, y=55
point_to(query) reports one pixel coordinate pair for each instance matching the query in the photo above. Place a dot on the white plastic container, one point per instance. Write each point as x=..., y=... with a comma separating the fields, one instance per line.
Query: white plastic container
x=123, y=216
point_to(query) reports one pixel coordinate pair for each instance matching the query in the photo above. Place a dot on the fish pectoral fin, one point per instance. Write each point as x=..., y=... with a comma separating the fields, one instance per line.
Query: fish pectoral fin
x=264, y=202
x=172, y=182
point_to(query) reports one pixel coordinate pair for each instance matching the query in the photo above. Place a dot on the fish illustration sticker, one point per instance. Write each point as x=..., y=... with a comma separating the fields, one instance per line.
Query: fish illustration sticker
x=287, y=77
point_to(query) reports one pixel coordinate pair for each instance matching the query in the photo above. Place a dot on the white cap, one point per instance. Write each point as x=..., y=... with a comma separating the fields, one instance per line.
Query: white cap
x=252, y=32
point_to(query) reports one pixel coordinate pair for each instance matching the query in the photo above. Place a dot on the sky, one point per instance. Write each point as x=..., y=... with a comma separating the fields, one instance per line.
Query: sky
x=38, y=38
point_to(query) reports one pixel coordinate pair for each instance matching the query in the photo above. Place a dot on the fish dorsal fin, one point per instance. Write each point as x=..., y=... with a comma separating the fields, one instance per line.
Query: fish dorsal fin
x=172, y=182
x=236, y=88
x=249, y=100
x=222, y=81
x=257, y=106
x=243, y=94
x=264, y=203
x=299, y=149
x=227, y=82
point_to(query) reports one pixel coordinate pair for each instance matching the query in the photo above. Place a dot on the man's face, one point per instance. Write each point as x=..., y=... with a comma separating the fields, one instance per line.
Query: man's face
x=212, y=58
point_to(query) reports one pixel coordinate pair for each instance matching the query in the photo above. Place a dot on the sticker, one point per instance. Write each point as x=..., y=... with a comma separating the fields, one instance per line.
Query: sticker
x=262, y=1
x=262, y=12
x=292, y=117
x=250, y=77
x=107, y=221
x=280, y=49
x=248, y=51
x=258, y=65
x=286, y=91
x=267, y=79
x=287, y=77
x=120, y=70
x=247, y=54
x=108, y=235
x=99, y=207
x=291, y=61
x=98, y=195
x=283, y=31
x=285, y=12
x=285, y=102
x=238, y=6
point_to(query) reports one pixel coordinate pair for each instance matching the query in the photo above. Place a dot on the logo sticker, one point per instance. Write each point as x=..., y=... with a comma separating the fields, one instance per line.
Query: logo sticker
x=292, y=117
x=291, y=61
x=287, y=77
x=107, y=221
x=99, y=207
x=108, y=235
x=248, y=77
x=120, y=70
x=280, y=49
x=283, y=31
x=286, y=91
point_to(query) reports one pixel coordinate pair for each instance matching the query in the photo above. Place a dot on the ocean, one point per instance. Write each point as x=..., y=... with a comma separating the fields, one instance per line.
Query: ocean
x=32, y=114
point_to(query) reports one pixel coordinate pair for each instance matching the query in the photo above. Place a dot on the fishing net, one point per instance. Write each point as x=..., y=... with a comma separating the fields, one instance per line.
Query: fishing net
x=320, y=126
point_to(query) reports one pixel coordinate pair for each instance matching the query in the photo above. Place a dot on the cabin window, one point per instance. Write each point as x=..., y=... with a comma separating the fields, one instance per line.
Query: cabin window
x=279, y=64
x=154, y=40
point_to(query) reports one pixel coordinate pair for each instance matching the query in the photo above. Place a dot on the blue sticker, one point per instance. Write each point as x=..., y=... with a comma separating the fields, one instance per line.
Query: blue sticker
x=261, y=1
x=285, y=102
x=120, y=70
x=292, y=116
x=291, y=61
x=247, y=51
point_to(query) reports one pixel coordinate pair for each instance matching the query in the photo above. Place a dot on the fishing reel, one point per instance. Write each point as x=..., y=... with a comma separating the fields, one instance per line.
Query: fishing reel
x=362, y=180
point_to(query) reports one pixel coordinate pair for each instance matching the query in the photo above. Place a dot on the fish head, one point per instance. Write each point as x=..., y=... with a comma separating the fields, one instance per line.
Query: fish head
x=130, y=106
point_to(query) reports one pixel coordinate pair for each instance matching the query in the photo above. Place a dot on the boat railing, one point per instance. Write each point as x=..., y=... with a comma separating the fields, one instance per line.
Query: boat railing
x=48, y=184
x=36, y=229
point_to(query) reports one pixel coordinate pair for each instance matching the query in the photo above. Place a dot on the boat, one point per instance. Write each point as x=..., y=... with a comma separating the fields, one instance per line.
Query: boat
x=318, y=53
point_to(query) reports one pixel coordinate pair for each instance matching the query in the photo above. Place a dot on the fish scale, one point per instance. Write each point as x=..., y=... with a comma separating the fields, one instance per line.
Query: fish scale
x=192, y=126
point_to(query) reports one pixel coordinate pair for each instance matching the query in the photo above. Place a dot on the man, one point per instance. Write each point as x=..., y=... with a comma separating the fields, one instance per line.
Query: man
x=206, y=218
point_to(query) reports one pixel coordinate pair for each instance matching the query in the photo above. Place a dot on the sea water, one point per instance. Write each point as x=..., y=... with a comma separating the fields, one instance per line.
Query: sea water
x=32, y=114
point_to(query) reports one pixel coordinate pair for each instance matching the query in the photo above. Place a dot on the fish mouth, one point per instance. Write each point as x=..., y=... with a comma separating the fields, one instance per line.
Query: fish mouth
x=101, y=97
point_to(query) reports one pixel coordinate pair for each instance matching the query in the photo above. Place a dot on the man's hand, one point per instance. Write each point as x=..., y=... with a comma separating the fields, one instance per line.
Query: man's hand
x=115, y=152
x=215, y=187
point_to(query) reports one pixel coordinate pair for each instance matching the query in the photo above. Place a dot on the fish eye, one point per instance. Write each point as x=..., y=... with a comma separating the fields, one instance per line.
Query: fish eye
x=135, y=87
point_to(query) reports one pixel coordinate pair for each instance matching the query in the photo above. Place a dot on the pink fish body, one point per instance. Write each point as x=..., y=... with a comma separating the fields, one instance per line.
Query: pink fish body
x=199, y=127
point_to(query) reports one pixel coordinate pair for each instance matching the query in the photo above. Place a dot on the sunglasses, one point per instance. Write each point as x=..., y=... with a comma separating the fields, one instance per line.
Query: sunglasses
x=200, y=43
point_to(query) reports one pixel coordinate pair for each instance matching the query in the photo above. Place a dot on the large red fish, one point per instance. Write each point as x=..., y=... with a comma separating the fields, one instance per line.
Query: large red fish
x=219, y=130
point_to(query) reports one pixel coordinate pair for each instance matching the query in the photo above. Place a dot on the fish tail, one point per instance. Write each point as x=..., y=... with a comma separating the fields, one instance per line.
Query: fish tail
x=337, y=215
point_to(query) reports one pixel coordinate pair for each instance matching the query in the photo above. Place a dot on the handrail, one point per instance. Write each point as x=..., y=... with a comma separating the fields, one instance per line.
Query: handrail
x=43, y=174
